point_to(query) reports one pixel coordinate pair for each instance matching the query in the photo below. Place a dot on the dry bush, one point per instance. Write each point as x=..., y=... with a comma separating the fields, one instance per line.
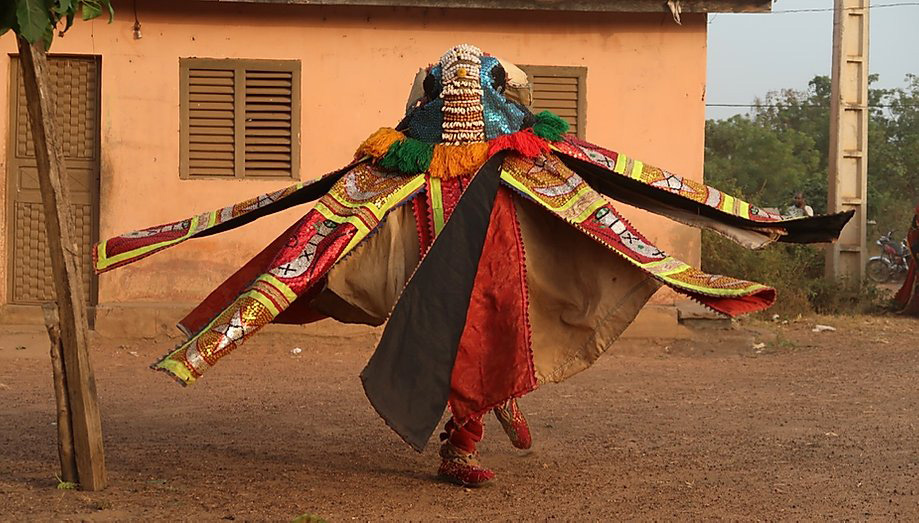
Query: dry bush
x=797, y=274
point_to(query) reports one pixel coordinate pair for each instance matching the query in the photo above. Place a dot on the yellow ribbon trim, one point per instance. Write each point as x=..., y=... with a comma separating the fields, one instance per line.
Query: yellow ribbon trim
x=104, y=261
x=177, y=369
x=437, y=205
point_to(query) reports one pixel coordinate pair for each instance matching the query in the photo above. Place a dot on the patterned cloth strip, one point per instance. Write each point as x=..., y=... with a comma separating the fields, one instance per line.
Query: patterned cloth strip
x=547, y=181
x=133, y=246
x=346, y=215
x=664, y=180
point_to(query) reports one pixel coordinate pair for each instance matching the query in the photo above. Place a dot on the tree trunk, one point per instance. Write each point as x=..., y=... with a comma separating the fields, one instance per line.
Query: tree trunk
x=65, y=267
x=64, y=431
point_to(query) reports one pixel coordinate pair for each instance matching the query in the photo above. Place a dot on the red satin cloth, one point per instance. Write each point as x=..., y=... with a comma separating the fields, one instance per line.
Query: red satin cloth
x=493, y=361
x=908, y=295
x=465, y=436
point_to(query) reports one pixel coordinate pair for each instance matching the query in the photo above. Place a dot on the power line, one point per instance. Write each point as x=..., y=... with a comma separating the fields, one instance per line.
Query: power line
x=711, y=17
x=775, y=106
x=825, y=9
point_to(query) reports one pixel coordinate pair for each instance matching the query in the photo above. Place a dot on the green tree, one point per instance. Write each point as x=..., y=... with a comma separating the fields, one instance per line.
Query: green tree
x=893, y=156
x=757, y=162
x=37, y=19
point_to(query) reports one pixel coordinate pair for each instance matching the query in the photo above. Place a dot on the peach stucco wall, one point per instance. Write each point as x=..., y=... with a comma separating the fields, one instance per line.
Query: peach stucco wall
x=645, y=97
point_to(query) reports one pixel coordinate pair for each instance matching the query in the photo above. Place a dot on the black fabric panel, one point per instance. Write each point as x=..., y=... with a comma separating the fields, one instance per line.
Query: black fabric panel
x=308, y=193
x=407, y=380
x=818, y=229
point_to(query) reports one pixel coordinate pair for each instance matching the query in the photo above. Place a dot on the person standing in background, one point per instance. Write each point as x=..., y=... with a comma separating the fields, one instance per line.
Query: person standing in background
x=800, y=207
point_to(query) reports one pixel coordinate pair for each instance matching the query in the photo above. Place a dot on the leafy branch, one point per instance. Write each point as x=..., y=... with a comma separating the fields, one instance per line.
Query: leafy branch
x=37, y=20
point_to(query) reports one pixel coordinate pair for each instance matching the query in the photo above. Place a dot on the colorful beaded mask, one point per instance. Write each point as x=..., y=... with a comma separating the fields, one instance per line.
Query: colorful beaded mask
x=464, y=101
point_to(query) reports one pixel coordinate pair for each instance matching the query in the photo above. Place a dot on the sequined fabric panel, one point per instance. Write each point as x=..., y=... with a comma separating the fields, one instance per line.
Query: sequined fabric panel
x=557, y=187
x=311, y=250
x=546, y=179
x=366, y=185
x=501, y=115
x=256, y=203
x=231, y=329
x=130, y=246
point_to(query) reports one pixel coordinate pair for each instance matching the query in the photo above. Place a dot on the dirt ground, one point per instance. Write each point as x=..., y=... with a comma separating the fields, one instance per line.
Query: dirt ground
x=811, y=425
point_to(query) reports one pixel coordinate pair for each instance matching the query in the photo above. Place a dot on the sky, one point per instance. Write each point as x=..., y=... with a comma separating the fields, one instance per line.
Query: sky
x=752, y=54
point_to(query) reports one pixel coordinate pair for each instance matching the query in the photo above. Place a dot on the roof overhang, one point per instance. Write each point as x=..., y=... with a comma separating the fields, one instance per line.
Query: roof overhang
x=596, y=6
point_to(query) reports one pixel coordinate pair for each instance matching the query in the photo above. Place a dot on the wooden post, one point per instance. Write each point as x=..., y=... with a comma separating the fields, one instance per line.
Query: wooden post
x=848, y=162
x=65, y=267
x=64, y=430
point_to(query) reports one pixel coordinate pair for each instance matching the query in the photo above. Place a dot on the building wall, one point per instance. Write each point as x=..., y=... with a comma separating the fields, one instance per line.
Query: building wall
x=645, y=97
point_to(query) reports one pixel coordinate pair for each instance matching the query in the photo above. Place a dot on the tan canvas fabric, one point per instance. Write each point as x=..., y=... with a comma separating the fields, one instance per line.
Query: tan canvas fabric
x=366, y=284
x=582, y=296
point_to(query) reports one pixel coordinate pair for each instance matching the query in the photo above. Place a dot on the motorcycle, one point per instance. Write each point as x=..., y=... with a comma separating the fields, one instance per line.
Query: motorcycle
x=892, y=264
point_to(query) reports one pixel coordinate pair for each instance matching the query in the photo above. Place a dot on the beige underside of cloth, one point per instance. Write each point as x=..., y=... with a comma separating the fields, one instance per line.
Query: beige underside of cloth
x=581, y=296
x=749, y=238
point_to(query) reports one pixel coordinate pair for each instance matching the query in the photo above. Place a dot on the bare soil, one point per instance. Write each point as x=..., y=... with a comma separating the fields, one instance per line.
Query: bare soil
x=809, y=426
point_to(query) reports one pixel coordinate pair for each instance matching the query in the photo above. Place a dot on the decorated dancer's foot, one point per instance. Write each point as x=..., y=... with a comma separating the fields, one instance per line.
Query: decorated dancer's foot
x=462, y=468
x=514, y=424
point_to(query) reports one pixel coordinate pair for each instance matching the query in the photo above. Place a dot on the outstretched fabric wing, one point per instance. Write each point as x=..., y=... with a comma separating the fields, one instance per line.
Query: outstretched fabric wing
x=654, y=189
x=133, y=246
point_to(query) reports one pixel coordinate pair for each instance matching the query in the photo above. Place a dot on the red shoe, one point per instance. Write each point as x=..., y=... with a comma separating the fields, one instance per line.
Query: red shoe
x=514, y=424
x=462, y=468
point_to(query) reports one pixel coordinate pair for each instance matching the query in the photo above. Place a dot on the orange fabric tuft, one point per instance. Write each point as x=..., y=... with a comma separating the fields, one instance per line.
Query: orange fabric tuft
x=524, y=142
x=378, y=143
x=457, y=160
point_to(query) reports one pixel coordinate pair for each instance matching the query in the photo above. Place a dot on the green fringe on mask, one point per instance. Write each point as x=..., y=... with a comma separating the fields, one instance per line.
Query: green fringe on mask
x=408, y=156
x=550, y=126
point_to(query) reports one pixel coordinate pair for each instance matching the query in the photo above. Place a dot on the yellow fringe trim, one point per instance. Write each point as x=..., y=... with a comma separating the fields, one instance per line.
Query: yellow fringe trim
x=378, y=144
x=457, y=160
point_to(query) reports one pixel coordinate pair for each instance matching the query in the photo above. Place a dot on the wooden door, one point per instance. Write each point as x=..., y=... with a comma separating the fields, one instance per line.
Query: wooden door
x=76, y=90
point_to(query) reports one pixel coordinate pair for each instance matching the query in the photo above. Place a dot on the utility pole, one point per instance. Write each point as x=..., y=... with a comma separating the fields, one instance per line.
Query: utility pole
x=848, y=162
